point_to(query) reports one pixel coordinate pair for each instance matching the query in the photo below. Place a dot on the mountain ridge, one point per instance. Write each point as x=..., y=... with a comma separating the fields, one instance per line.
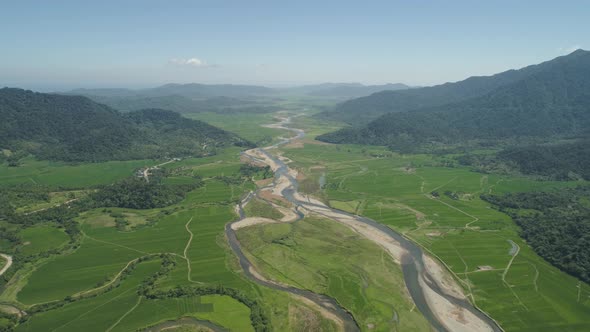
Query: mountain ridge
x=551, y=99
x=75, y=128
x=362, y=110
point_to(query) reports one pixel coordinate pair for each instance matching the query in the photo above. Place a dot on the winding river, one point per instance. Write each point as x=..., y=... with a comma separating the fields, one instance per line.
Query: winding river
x=443, y=309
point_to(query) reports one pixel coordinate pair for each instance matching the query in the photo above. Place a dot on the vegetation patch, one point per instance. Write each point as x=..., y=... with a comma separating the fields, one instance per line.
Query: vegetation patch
x=259, y=208
x=364, y=280
x=41, y=238
x=556, y=225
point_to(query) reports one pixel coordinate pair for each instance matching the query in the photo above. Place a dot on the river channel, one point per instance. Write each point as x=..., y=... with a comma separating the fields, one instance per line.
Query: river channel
x=419, y=282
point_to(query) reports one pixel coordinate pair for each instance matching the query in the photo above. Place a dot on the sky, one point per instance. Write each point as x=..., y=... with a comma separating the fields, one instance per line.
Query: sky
x=53, y=45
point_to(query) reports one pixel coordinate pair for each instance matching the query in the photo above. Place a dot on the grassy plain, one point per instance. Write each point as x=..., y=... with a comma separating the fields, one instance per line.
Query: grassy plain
x=258, y=208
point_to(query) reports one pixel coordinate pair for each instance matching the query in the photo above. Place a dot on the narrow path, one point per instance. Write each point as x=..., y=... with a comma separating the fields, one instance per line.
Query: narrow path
x=475, y=219
x=56, y=205
x=510, y=263
x=94, y=309
x=536, y=277
x=112, y=243
x=185, y=252
x=146, y=172
x=8, y=263
x=506, y=272
x=82, y=293
x=125, y=315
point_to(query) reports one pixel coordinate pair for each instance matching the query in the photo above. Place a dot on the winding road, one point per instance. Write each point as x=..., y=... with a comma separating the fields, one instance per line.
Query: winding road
x=433, y=290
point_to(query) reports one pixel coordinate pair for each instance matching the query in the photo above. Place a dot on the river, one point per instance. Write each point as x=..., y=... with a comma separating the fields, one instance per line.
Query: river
x=444, y=311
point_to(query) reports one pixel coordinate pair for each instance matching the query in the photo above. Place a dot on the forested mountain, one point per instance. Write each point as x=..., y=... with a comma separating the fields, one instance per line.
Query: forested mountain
x=181, y=95
x=180, y=104
x=360, y=111
x=195, y=90
x=344, y=90
x=553, y=98
x=191, y=91
x=75, y=128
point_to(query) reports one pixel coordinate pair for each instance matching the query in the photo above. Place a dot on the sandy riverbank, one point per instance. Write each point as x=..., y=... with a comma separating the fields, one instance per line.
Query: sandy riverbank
x=7, y=265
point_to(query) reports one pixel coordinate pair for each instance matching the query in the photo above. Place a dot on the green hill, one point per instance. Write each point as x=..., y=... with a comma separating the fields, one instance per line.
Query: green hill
x=74, y=128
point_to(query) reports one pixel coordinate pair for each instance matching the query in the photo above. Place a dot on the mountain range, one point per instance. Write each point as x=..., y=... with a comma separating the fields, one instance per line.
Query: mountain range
x=544, y=100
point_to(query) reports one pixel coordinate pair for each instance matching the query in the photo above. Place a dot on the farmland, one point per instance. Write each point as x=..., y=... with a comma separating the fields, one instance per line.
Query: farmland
x=437, y=205
x=69, y=175
x=94, y=272
x=95, y=284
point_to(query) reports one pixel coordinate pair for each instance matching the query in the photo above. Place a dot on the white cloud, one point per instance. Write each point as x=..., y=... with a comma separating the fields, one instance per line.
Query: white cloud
x=192, y=62
x=568, y=50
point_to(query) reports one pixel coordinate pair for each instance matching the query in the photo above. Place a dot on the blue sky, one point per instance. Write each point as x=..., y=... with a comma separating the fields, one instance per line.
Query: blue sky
x=64, y=44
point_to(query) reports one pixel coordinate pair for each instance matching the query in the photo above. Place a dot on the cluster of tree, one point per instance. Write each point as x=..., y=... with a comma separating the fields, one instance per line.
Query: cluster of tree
x=18, y=195
x=561, y=161
x=249, y=171
x=549, y=99
x=148, y=285
x=75, y=128
x=60, y=217
x=568, y=161
x=8, y=321
x=259, y=320
x=136, y=193
x=556, y=224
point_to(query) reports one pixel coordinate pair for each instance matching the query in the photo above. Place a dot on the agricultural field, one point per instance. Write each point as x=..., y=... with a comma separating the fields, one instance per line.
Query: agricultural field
x=245, y=125
x=42, y=238
x=439, y=208
x=191, y=231
x=60, y=174
x=429, y=199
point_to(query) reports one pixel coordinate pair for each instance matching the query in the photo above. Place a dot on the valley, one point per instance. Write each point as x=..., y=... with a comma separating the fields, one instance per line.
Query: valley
x=455, y=275
x=267, y=212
